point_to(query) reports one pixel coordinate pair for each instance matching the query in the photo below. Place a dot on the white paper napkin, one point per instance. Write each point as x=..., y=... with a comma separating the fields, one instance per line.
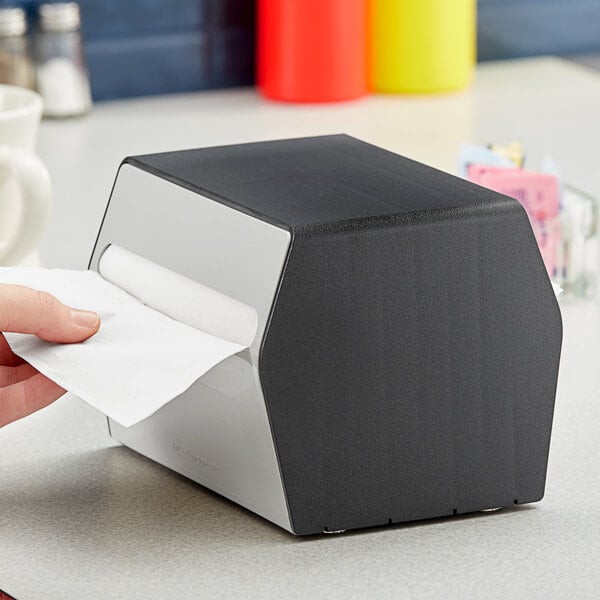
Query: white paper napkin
x=138, y=361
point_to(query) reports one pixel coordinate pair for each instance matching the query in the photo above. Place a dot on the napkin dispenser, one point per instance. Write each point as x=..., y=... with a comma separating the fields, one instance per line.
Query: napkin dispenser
x=408, y=340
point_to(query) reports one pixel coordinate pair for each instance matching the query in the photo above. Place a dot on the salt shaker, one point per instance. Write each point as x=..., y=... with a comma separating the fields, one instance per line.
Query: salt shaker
x=16, y=67
x=61, y=70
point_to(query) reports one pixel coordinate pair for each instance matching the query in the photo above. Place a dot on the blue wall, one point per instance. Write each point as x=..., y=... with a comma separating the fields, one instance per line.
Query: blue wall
x=137, y=47
x=514, y=28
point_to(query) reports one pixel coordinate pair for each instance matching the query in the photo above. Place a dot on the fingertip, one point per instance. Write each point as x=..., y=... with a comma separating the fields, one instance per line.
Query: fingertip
x=25, y=310
x=85, y=318
x=87, y=322
x=76, y=326
x=92, y=330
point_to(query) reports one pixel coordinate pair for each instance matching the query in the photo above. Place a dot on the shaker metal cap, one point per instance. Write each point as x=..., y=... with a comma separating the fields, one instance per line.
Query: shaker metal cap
x=12, y=22
x=60, y=16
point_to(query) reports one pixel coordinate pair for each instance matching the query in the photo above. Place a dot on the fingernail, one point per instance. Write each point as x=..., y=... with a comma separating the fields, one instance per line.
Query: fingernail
x=85, y=318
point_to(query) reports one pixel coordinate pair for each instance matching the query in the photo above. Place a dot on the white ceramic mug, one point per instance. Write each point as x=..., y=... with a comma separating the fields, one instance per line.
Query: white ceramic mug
x=25, y=191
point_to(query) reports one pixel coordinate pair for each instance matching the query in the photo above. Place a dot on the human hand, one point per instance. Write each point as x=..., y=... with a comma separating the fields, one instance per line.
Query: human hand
x=23, y=389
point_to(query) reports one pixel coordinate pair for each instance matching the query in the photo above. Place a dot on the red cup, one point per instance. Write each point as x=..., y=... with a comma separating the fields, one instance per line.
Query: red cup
x=312, y=50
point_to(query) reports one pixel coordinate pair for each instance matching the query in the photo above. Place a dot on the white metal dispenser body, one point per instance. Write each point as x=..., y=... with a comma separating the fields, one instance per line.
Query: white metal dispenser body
x=217, y=433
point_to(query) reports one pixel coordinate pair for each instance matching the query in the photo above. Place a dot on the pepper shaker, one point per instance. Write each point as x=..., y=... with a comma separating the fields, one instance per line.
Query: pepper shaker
x=16, y=67
x=61, y=70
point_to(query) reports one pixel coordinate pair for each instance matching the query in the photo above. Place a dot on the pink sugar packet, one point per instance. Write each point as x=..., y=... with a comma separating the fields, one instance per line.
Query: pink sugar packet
x=539, y=193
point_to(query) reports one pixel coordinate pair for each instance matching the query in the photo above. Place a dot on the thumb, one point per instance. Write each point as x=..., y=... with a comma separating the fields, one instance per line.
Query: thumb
x=24, y=310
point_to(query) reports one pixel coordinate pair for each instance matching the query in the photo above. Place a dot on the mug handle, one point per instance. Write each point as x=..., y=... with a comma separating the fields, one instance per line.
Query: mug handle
x=36, y=193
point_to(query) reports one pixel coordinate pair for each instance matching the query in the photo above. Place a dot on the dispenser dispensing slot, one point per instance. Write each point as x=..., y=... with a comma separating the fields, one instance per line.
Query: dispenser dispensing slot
x=179, y=297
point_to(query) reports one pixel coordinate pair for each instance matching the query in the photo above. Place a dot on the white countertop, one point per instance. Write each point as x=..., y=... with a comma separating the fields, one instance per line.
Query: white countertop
x=81, y=517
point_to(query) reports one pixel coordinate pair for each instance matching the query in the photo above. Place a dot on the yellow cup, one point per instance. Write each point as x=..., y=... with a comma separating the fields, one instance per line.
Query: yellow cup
x=421, y=45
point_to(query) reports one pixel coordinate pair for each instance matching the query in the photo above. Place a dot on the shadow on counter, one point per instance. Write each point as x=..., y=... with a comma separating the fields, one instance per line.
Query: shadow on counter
x=115, y=499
